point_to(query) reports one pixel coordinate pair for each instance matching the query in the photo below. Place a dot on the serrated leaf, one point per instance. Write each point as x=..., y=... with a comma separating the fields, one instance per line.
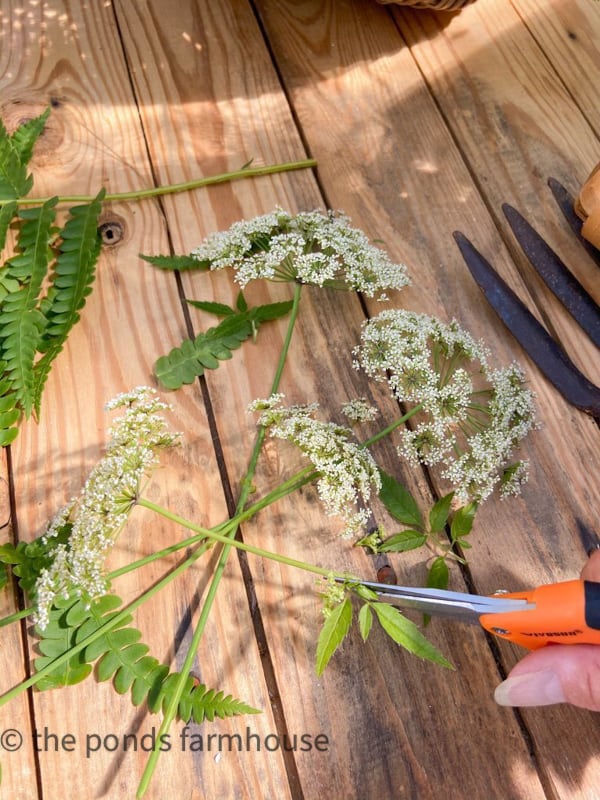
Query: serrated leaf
x=197, y=702
x=333, y=633
x=174, y=262
x=188, y=361
x=21, y=322
x=240, y=302
x=438, y=516
x=218, y=309
x=7, y=212
x=462, y=521
x=407, y=635
x=402, y=542
x=365, y=621
x=399, y=501
x=26, y=135
x=438, y=575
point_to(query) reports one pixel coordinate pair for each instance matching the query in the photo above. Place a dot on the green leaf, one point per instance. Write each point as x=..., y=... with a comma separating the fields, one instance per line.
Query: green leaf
x=333, y=633
x=399, y=501
x=438, y=575
x=198, y=703
x=403, y=541
x=21, y=322
x=407, y=635
x=365, y=620
x=438, y=516
x=462, y=521
x=174, y=262
x=27, y=134
x=241, y=303
x=218, y=309
x=74, y=274
x=188, y=361
x=7, y=213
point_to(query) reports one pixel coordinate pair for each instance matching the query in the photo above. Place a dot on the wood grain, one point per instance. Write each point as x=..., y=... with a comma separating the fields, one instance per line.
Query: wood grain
x=539, y=540
x=421, y=124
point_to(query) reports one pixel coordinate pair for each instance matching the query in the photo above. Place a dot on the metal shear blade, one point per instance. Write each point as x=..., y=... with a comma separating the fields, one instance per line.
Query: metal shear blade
x=441, y=602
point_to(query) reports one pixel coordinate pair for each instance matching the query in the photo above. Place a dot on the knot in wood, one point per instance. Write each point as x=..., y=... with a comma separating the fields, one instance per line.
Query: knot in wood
x=112, y=231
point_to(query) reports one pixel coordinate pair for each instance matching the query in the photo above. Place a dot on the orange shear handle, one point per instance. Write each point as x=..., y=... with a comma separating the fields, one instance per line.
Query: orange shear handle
x=564, y=613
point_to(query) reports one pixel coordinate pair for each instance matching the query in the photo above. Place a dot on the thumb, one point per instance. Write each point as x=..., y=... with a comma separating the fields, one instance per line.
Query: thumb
x=559, y=674
x=554, y=674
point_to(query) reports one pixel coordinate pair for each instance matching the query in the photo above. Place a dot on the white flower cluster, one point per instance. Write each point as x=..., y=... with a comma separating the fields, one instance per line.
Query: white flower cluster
x=347, y=472
x=469, y=417
x=309, y=247
x=99, y=513
x=360, y=411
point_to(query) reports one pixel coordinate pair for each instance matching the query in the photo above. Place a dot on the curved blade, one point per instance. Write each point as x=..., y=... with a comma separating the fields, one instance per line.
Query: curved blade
x=566, y=203
x=533, y=337
x=556, y=275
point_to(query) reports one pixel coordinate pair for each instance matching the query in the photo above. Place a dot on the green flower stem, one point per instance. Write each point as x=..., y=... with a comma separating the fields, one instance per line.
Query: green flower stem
x=298, y=480
x=112, y=623
x=227, y=540
x=392, y=426
x=245, y=489
x=158, y=191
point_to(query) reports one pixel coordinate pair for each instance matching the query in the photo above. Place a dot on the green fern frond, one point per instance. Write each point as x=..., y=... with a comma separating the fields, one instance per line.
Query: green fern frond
x=9, y=413
x=28, y=559
x=27, y=134
x=15, y=153
x=57, y=638
x=21, y=322
x=13, y=176
x=122, y=658
x=73, y=278
x=188, y=361
x=7, y=212
x=198, y=703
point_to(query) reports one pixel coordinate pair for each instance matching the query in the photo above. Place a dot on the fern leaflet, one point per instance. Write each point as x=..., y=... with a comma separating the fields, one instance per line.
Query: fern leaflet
x=22, y=322
x=188, y=361
x=27, y=134
x=198, y=703
x=74, y=275
x=122, y=658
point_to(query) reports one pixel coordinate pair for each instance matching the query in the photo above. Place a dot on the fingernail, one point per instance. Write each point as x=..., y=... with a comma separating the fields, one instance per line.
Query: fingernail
x=541, y=688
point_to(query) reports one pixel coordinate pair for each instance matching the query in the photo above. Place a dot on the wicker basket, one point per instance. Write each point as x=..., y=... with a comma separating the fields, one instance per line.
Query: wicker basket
x=432, y=5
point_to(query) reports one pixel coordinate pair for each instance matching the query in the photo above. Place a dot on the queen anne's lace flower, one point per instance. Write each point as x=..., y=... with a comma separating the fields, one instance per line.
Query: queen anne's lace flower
x=98, y=514
x=309, y=247
x=347, y=472
x=470, y=417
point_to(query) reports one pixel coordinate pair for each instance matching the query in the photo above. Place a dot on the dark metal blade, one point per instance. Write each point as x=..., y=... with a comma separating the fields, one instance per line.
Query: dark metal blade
x=531, y=335
x=566, y=203
x=556, y=275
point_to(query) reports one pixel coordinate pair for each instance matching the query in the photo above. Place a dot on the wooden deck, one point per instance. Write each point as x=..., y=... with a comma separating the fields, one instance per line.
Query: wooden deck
x=421, y=124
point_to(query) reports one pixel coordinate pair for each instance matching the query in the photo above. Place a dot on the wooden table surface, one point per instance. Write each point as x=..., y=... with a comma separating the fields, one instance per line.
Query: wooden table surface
x=421, y=124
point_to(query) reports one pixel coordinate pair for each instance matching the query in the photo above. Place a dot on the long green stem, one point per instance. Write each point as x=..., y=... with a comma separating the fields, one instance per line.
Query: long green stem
x=171, y=710
x=173, y=188
x=239, y=545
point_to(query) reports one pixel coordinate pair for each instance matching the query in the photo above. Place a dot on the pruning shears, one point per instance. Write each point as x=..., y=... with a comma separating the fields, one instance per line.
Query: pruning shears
x=557, y=613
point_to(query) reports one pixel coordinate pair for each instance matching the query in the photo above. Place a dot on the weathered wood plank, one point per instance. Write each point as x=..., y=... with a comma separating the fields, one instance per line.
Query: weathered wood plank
x=379, y=728
x=17, y=756
x=72, y=55
x=352, y=80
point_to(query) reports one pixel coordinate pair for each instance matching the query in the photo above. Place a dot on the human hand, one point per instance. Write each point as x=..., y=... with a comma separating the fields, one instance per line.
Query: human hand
x=562, y=674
